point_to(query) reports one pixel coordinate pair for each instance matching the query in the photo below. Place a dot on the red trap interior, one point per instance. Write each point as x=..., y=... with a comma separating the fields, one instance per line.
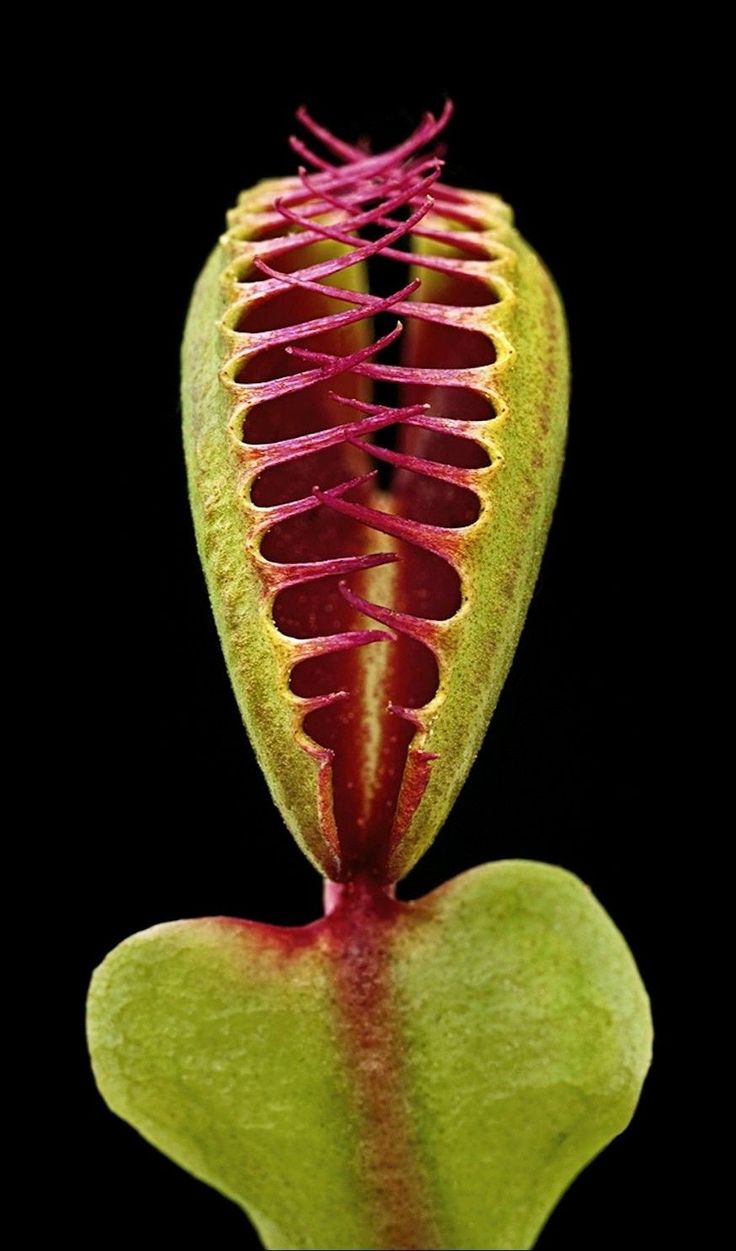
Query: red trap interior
x=378, y=557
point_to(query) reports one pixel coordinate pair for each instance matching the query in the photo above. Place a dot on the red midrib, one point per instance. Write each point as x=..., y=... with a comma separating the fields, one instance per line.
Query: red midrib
x=357, y=939
x=395, y=1177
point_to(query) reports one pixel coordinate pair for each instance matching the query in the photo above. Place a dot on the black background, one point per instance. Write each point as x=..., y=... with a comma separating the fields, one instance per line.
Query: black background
x=172, y=817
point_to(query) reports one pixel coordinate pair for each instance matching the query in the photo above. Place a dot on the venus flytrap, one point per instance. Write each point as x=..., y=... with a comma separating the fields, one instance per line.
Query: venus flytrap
x=429, y=1074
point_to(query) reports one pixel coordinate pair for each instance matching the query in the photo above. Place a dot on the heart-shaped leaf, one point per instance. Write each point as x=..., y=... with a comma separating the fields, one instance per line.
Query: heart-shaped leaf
x=420, y=1075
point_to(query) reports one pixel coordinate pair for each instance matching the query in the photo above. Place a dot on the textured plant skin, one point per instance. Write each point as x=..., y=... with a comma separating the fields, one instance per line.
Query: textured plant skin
x=424, y=1075
x=499, y=555
x=396, y=1075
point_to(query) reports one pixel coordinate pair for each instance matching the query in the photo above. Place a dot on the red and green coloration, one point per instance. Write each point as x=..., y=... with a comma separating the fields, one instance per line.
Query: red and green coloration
x=368, y=627
x=395, y=1075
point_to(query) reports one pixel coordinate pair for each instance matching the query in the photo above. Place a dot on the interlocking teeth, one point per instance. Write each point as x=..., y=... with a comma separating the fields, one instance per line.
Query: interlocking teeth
x=392, y=193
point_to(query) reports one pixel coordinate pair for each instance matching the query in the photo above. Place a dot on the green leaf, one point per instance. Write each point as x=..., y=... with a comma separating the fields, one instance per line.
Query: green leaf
x=424, y=1075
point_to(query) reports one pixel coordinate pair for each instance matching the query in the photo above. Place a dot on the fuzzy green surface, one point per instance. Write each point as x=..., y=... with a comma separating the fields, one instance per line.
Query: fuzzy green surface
x=524, y=1035
x=219, y=1048
x=528, y=1034
x=253, y=648
x=530, y=392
